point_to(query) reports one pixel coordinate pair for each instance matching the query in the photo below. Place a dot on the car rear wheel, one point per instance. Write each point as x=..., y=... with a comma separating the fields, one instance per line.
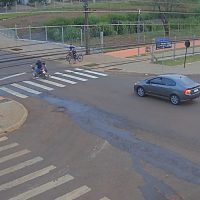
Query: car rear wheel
x=174, y=99
x=140, y=91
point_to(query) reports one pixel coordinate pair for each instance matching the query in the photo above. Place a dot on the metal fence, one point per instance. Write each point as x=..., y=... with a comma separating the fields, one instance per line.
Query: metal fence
x=127, y=33
x=111, y=36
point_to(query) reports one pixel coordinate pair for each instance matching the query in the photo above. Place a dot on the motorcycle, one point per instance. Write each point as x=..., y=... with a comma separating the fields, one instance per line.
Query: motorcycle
x=41, y=74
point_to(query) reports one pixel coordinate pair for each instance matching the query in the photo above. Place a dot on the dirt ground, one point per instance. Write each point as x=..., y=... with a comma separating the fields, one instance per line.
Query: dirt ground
x=34, y=20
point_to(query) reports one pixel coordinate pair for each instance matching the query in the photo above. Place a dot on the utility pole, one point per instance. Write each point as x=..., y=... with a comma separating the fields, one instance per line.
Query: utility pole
x=187, y=45
x=86, y=28
x=138, y=32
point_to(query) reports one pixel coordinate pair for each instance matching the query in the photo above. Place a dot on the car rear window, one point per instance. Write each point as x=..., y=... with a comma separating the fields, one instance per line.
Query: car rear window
x=185, y=80
x=168, y=82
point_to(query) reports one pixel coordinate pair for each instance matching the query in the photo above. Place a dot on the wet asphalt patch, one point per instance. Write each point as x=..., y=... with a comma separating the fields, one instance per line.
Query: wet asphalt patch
x=109, y=127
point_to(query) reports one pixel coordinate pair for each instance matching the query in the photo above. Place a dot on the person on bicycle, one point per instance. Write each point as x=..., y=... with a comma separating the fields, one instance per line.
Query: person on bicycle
x=72, y=50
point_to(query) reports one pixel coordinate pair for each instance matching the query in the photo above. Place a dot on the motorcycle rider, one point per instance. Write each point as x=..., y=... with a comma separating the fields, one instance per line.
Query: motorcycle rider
x=44, y=67
x=39, y=67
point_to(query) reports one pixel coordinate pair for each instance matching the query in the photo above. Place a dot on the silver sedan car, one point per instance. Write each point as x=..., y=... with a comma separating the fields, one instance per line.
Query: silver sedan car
x=175, y=87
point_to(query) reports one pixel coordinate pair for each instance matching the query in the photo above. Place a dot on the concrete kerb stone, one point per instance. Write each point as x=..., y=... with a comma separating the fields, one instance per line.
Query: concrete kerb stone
x=12, y=115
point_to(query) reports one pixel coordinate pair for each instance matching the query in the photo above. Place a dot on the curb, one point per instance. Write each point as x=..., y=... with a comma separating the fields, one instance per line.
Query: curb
x=19, y=123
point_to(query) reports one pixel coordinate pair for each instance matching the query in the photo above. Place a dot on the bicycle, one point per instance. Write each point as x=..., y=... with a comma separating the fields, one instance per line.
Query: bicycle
x=76, y=57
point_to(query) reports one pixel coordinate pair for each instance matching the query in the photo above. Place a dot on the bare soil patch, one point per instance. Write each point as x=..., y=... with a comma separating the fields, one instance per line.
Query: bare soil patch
x=34, y=20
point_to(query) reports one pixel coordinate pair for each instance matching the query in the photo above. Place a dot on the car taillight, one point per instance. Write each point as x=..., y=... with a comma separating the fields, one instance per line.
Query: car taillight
x=187, y=91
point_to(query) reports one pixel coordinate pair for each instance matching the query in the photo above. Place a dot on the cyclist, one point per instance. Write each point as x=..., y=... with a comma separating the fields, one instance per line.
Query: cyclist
x=72, y=51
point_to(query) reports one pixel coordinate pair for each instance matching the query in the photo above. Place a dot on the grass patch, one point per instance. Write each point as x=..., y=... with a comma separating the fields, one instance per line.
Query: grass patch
x=179, y=61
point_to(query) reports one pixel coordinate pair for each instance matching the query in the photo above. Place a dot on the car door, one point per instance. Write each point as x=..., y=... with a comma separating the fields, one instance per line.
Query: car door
x=168, y=87
x=155, y=86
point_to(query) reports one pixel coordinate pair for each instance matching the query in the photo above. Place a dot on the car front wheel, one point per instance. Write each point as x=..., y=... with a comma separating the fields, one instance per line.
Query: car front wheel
x=140, y=91
x=174, y=99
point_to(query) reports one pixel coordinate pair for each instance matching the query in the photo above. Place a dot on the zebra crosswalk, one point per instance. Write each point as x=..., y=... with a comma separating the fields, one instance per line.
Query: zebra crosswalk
x=22, y=180
x=27, y=88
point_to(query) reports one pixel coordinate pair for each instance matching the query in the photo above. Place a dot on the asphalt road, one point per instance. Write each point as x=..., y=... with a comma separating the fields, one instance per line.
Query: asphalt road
x=112, y=142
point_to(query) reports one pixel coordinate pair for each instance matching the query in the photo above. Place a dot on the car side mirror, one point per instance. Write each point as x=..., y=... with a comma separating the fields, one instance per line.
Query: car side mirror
x=148, y=82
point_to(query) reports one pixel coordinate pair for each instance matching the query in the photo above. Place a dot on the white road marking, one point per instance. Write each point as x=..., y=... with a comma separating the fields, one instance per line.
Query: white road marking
x=82, y=74
x=51, y=83
x=75, y=193
x=9, y=146
x=26, y=178
x=43, y=188
x=92, y=72
x=104, y=198
x=25, y=88
x=70, y=76
x=3, y=138
x=20, y=166
x=13, y=92
x=14, y=155
x=38, y=85
x=12, y=76
x=64, y=80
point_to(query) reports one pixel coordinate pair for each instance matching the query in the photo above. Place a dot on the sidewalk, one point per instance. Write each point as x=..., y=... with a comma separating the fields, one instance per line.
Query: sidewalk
x=102, y=62
x=12, y=115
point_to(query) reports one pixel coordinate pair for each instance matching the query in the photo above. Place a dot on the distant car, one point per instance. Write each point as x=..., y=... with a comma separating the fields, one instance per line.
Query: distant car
x=162, y=43
x=175, y=87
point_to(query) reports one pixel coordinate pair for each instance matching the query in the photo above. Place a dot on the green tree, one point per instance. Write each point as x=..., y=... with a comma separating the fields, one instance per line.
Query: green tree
x=165, y=7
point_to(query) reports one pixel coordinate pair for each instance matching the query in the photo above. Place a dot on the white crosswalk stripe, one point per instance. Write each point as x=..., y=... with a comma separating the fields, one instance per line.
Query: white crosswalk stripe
x=14, y=155
x=4, y=138
x=75, y=193
x=71, y=76
x=82, y=74
x=33, y=175
x=9, y=146
x=20, y=166
x=51, y=82
x=14, y=75
x=25, y=88
x=13, y=92
x=92, y=72
x=43, y=188
x=64, y=80
x=26, y=178
x=38, y=85
x=78, y=74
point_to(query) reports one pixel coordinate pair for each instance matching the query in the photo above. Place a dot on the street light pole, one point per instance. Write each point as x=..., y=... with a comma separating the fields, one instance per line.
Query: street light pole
x=86, y=29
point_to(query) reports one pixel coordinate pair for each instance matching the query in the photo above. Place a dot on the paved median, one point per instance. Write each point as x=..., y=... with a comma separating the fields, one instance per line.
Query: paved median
x=12, y=115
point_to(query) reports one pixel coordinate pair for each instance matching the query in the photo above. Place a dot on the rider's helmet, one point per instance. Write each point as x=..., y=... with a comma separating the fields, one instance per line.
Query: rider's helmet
x=39, y=63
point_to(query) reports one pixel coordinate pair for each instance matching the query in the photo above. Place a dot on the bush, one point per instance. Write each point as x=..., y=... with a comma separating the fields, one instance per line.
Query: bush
x=60, y=21
x=78, y=20
x=55, y=34
x=107, y=30
x=72, y=33
x=93, y=19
